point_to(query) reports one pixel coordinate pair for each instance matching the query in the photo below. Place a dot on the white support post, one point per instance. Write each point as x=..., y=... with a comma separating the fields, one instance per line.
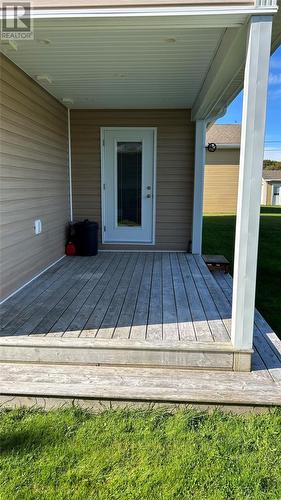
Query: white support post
x=69, y=165
x=199, y=169
x=250, y=180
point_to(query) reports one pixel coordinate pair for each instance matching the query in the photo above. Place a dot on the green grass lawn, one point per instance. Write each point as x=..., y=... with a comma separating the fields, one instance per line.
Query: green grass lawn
x=145, y=455
x=218, y=238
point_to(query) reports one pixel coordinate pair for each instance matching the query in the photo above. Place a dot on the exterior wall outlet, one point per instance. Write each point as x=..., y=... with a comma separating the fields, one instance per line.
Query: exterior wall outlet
x=38, y=226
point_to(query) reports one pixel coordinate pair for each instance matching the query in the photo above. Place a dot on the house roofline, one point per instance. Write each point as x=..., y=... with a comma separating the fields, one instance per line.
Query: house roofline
x=272, y=180
x=45, y=13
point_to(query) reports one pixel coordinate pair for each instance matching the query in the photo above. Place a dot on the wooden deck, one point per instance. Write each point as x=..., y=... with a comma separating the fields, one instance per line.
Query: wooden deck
x=131, y=309
x=132, y=322
x=154, y=296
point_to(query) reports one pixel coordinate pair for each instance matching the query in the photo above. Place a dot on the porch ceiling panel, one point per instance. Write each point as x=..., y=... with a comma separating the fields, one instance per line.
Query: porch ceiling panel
x=98, y=66
x=172, y=60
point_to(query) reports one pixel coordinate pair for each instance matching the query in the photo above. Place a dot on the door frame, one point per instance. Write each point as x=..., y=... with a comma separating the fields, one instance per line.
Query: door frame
x=154, y=170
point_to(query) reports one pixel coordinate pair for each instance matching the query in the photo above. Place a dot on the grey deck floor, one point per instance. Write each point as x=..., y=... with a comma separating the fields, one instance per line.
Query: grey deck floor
x=169, y=297
x=139, y=296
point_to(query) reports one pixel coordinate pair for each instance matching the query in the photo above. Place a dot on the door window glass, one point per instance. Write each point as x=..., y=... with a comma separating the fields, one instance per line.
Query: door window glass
x=129, y=183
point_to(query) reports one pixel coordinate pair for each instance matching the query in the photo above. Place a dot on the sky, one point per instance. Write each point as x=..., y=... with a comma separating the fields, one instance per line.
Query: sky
x=273, y=120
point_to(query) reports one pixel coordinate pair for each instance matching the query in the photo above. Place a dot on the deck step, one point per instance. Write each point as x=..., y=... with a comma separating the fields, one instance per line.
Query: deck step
x=52, y=386
x=113, y=352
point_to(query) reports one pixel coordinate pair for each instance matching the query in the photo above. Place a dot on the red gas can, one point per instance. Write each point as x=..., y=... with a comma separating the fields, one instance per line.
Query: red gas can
x=70, y=248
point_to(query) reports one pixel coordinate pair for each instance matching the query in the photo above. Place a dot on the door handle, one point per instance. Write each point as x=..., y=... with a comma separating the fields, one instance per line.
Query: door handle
x=148, y=195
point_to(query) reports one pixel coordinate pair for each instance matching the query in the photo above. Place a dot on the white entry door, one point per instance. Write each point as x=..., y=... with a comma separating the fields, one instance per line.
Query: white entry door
x=276, y=194
x=128, y=185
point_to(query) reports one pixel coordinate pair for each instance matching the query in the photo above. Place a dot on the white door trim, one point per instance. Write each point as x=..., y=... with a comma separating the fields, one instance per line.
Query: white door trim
x=102, y=146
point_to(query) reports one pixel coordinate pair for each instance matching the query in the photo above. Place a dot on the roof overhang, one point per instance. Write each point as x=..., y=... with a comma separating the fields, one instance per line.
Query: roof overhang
x=225, y=78
x=145, y=57
x=150, y=11
x=272, y=180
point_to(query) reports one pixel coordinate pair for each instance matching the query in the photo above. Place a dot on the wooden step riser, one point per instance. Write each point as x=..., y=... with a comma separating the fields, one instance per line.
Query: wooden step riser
x=118, y=357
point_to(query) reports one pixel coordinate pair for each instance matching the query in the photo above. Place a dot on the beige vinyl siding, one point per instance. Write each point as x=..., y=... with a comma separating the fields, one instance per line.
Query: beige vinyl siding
x=221, y=181
x=175, y=156
x=269, y=189
x=34, y=178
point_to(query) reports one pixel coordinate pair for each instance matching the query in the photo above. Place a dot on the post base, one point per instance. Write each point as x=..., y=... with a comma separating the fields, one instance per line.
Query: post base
x=242, y=361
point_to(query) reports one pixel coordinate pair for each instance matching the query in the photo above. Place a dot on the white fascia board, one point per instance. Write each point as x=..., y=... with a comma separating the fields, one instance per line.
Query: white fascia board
x=228, y=61
x=40, y=13
x=272, y=180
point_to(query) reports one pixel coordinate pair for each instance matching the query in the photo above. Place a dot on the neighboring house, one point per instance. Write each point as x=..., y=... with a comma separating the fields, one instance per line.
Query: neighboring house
x=271, y=187
x=104, y=116
x=222, y=169
x=222, y=172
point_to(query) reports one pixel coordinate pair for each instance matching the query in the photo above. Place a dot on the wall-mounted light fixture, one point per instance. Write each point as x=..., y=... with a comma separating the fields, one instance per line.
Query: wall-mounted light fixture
x=212, y=147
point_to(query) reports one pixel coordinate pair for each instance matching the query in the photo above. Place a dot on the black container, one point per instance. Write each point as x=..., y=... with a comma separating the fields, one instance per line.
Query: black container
x=86, y=237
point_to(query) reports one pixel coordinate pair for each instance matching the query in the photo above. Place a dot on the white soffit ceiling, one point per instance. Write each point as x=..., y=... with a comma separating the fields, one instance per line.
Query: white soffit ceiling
x=101, y=65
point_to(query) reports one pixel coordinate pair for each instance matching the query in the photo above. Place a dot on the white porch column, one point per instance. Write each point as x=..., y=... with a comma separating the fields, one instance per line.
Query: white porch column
x=250, y=180
x=199, y=169
x=69, y=165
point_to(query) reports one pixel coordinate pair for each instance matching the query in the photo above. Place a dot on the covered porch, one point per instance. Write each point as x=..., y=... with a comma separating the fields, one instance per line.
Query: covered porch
x=155, y=79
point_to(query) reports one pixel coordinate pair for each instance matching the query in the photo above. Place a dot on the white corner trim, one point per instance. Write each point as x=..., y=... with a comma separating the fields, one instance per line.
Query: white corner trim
x=102, y=160
x=69, y=166
x=32, y=279
x=198, y=196
x=155, y=138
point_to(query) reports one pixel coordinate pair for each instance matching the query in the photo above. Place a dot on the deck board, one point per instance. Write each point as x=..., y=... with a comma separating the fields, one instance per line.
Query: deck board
x=215, y=322
x=155, y=316
x=83, y=313
x=200, y=322
x=185, y=324
x=104, y=300
x=111, y=317
x=267, y=348
x=170, y=322
x=96, y=272
x=21, y=300
x=218, y=296
x=122, y=329
x=48, y=321
x=139, y=323
x=23, y=323
x=135, y=384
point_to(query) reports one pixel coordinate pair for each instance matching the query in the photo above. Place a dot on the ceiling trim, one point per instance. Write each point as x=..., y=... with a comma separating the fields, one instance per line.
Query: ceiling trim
x=45, y=13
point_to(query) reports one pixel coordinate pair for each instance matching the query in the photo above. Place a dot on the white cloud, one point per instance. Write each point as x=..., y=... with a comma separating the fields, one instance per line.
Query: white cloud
x=274, y=79
x=272, y=155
